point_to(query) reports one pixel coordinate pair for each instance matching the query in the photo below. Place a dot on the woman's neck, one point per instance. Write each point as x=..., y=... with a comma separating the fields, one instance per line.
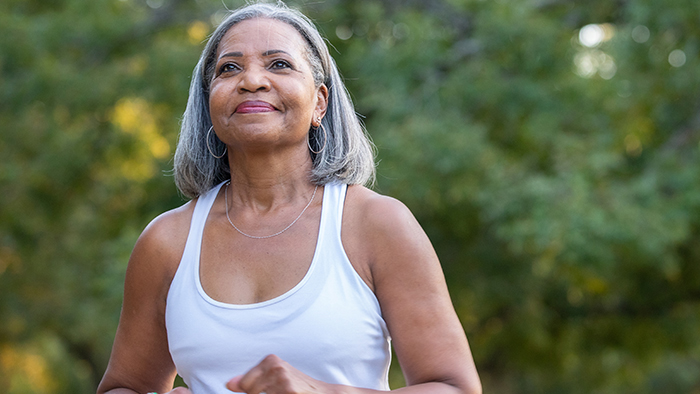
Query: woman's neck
x=262, y=182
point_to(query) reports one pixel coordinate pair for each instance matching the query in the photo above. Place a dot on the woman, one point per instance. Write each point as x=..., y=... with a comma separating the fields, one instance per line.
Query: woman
x=283, y=274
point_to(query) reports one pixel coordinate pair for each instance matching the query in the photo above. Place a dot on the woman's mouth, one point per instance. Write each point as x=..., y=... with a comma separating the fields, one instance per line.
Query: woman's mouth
x=253, y=107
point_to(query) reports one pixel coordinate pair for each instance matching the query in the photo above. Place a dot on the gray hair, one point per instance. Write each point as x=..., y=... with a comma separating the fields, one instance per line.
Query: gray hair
x=346, y=156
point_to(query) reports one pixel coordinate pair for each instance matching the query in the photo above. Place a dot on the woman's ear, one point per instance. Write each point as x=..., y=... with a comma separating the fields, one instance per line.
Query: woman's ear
x=321, y=101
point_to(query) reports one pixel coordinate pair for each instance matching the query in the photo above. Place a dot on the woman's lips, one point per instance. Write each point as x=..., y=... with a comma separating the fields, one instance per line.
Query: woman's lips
x=252, y=107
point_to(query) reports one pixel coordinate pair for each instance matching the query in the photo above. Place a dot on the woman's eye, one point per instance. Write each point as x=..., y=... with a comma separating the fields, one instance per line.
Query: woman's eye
x=280, y=64
x=227, y=67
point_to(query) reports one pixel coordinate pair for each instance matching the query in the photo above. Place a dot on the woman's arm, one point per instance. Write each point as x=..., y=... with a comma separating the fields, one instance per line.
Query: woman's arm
x=140, y=361
x=406, y=276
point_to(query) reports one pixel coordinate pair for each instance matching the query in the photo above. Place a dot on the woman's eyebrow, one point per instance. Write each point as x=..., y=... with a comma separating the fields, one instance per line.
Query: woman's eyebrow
x=266, y=53
x=231, y=54
x=274, y=52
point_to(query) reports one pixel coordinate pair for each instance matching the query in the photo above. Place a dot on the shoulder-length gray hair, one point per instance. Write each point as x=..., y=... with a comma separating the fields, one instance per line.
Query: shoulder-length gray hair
x=347, y=155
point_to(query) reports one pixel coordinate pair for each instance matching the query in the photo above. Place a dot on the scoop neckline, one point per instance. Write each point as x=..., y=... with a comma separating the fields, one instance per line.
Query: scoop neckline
x=271, y=301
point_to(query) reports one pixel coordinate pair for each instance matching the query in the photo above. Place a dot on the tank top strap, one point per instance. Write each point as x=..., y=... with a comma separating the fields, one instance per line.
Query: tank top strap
x=204, y=204
x=199, y=219
x=334, y=201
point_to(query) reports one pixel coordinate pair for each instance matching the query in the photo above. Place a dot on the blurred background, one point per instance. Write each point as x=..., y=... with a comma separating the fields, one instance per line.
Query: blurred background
x=550, y=148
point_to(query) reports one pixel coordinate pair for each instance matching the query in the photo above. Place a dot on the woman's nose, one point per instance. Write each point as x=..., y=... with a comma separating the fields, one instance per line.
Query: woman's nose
x=253, y=80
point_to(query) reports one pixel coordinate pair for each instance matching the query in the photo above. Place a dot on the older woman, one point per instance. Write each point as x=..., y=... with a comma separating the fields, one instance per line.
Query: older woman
x=283, y=274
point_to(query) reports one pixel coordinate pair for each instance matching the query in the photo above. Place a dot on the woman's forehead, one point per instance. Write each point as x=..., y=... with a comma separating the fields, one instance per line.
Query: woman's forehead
x=262, y=34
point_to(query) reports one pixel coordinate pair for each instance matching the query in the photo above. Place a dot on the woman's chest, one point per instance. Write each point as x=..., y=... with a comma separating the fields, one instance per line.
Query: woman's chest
x=235, y=269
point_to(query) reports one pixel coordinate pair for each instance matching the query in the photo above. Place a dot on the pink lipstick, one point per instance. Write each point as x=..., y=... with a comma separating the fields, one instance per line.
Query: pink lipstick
x=253, y=107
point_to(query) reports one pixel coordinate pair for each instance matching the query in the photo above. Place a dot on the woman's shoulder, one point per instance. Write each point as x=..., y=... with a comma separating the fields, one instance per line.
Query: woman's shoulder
x=375, y=210
x=163, y=240
x=170, y=224
x=377, y=222
x=382, y=237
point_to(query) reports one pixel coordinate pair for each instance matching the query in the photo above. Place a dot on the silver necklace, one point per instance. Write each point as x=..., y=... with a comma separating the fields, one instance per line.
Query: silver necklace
x=265, y=236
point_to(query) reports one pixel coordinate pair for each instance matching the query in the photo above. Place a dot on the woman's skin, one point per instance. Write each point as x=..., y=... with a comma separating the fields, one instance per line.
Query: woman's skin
x=263, y=101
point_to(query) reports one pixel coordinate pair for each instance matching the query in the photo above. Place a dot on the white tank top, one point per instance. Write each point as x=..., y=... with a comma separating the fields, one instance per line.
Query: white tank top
x=328, y=326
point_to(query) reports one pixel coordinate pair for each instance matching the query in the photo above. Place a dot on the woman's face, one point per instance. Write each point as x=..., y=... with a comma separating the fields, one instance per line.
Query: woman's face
x=263, y=94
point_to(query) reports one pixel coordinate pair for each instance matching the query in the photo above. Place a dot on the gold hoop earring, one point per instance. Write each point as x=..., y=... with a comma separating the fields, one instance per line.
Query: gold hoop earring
x=325, y=138
x=209, y=147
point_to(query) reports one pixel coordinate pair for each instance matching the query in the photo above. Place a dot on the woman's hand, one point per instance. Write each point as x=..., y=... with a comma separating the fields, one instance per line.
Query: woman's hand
x=275, y=376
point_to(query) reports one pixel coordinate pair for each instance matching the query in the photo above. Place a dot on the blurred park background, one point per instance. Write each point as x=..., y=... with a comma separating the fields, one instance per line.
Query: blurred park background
x=550, y=148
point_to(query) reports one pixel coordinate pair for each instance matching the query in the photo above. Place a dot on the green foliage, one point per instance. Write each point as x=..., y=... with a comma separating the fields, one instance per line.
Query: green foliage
x=560, y=183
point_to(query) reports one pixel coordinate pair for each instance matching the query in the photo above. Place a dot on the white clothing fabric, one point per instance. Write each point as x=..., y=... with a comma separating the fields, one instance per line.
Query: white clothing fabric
x=328, y=326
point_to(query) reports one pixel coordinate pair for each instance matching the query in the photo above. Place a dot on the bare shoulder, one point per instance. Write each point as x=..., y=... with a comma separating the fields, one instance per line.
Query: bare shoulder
x=173, y=223
x=376, y=211
x=158, y=251
x=166, y=230
x=379, y=235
